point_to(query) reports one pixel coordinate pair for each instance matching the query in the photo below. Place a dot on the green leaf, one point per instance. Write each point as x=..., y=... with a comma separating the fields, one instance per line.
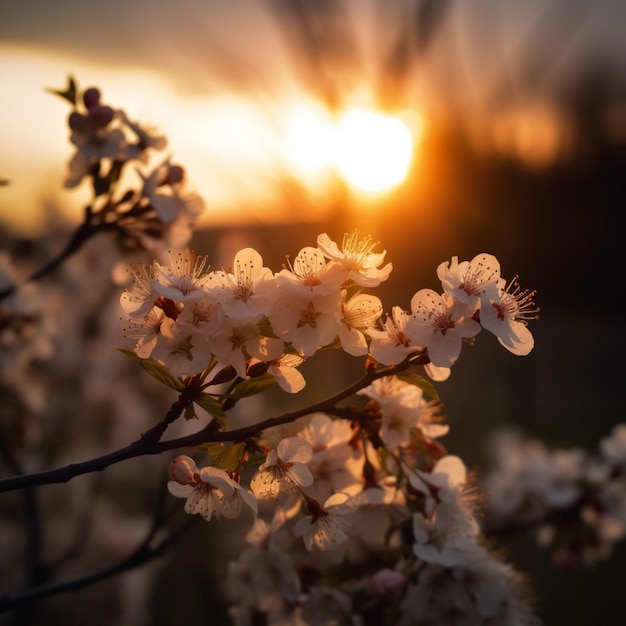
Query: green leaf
x=226, y=456
x=253, y=386
x=190, y=414
x=156, y=370
x=70, y=92
x=419, y=381
x=211, y=406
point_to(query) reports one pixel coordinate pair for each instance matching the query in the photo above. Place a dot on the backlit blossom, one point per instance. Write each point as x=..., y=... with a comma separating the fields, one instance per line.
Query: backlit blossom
x=209, y=492
x=506, y=316
x=440, y=325
x=403, y=408
x=202, y=315
x=284, y=370
x=359, y=314
x=237, y=344
x=443, y=483
x=185, y=277
x=449, y=473
x=146, y=137
x=335, y=463
x=184, y=351
x=249, y=290
x=391, y=345
x=284, y=469
x=96, y=136
x=167, y=195
x=140, y=296
x=447, y=536
x=436, y=373
x=326, y=526
x=146, y=331
x=310, y=271
x=469, y=280
x=306, y=320
x=357, y=258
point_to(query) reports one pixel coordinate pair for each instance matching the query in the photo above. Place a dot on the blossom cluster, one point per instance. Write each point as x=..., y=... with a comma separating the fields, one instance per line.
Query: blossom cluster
x=189, y=317
x=576, y=502
x=370, y=486
x=106, y=143
x=349, y=532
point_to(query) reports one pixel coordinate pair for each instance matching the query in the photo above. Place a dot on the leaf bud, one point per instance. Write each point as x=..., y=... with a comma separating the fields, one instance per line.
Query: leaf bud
x=258, y=369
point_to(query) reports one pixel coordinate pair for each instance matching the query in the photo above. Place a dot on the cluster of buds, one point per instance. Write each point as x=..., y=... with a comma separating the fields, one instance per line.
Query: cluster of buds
x=106, y=141
x=104, y=136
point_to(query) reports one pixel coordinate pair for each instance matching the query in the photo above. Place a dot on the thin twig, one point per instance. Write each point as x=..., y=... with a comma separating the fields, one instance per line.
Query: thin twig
x=84, y=232
x=141, y=555
x=38, y=572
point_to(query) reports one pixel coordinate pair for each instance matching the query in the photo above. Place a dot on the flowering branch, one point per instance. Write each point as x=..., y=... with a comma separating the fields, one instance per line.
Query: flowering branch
x=106, y=142
x=149, y=443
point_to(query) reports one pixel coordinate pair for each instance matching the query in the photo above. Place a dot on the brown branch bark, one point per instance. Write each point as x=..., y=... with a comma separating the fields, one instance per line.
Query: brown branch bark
x=150, y=443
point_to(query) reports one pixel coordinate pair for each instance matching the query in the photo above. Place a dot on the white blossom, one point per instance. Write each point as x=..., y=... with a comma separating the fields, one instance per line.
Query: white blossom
x=326, y=526
x=506, y=315
x=439, y=323
x=470, y=280
x=209, y=492
x=357, y=257
x=284, y=470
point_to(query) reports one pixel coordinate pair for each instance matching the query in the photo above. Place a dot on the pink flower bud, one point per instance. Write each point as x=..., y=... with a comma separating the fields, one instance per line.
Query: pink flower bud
x=175, y=174
x=78, y=122
x=91, y=97
x=182, y=470
x=386, y=584
x=100, y=115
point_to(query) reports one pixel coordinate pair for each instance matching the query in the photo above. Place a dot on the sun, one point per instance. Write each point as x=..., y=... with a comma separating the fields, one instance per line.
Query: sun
x=373, y=151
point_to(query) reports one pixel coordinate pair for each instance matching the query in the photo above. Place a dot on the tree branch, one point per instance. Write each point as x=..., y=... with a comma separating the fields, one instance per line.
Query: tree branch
x=142, y=554
x=149, y=443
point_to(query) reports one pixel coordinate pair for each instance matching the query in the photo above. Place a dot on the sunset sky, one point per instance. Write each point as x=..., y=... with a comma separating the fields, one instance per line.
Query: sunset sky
x=226, y=80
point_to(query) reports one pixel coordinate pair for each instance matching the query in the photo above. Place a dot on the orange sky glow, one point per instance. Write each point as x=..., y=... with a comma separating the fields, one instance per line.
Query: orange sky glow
x=231, y=147
x=248, y=130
